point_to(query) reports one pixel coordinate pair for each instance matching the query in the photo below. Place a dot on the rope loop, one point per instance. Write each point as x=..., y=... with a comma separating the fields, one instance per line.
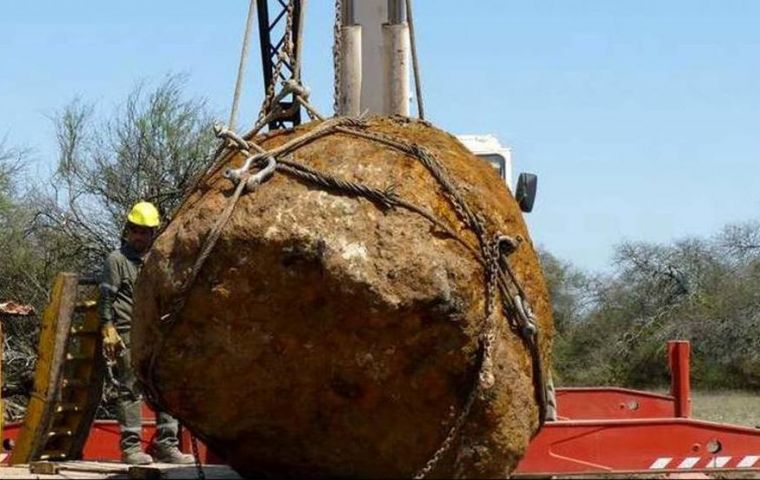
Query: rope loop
x=223, y=132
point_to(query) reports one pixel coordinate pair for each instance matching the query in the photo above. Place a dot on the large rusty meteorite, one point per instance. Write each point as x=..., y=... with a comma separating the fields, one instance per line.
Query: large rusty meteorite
x=327, y=335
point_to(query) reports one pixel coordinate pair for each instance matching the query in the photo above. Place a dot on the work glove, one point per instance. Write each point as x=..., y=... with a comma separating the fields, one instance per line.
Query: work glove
x=113, y=345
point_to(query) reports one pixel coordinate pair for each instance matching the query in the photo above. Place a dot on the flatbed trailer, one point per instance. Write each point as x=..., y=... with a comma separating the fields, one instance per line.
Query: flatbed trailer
x=112, y=470
x=616, y=431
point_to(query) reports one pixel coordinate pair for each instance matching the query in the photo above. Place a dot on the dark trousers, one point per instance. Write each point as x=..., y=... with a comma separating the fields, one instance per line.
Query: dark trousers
x=129, y=406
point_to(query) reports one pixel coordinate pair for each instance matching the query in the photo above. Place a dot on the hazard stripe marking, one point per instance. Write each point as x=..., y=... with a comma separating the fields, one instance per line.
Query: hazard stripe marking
x=660, y=463
x=688, y=462
x=718, y=462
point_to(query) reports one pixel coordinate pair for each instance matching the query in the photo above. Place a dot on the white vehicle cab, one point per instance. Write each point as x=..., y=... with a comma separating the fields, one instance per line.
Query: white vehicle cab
x=490, y=149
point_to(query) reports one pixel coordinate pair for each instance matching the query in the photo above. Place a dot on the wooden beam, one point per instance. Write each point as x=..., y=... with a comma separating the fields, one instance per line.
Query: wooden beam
x=43, y=468
x=56, y=323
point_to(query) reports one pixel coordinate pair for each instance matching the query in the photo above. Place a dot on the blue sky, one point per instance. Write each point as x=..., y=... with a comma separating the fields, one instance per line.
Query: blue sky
x=640, y=117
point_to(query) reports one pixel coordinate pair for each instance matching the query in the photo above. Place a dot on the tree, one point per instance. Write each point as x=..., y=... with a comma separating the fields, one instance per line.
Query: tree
x=150, y=149
x=573, y=295
x=571, y=290
x=742, y=240
x=22, y=274
x=702, y=290
x=22, y=266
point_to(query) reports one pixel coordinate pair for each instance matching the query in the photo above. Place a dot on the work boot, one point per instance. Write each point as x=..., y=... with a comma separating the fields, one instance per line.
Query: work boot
x=136, y=457
x=172, y=455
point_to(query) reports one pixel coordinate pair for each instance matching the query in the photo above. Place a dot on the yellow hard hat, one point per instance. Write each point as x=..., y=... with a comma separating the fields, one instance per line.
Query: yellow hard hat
x=144, y=214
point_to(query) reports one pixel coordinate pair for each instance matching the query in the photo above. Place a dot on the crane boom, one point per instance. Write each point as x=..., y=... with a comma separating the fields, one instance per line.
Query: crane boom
x=274, y=32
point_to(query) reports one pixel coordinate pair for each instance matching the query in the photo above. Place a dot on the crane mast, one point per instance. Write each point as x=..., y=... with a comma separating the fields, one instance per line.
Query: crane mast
x=372, y=56
x=375, y=58
x=276, y=27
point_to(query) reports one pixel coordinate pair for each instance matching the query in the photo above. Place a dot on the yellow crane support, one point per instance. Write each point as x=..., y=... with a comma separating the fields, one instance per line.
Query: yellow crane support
x=68, y=378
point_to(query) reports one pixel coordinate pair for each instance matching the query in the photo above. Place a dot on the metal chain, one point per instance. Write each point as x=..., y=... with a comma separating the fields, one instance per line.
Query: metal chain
x=337, y=55
x=269, y=97
x=499, y=278
x=435, y=168
x=522, y=319
x=490, y=329
x=197, y=457
x=453, y=432
x=492, y=254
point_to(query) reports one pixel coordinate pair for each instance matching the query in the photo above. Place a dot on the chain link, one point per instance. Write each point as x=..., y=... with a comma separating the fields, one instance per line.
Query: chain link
x=337, y=55
x=493, y=256
x=453, y=432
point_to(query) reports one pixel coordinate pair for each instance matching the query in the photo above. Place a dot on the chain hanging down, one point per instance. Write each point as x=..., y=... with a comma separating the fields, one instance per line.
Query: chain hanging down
x=337, y=50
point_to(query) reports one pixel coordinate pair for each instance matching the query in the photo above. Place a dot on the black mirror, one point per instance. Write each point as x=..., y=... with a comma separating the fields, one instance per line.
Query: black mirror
x=527, y=183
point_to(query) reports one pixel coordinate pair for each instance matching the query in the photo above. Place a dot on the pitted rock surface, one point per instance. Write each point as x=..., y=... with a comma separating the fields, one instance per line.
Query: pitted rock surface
x=328, y=337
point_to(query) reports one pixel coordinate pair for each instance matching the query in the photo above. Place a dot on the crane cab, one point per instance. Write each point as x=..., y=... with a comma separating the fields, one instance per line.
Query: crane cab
x=490, y=149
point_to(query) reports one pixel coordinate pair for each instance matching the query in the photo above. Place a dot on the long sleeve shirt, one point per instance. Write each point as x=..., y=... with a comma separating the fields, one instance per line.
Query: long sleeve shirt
x=117, y=279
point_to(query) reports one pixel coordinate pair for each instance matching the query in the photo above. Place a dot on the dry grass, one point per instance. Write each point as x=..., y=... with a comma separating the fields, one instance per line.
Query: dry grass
x=736, y=407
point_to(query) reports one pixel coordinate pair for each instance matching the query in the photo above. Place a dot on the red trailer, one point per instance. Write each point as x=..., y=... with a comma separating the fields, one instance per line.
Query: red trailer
x=600, y=431
x=103, y=440
x=608, y=430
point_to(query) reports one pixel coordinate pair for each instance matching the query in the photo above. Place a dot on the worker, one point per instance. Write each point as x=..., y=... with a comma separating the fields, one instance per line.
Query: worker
x=115, y=311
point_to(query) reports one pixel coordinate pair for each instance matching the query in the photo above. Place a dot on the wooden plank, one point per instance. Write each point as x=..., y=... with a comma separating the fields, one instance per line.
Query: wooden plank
x=145, y=473
x=56, y=325
x=102, y=470
x=94, y=392
x=43, y=468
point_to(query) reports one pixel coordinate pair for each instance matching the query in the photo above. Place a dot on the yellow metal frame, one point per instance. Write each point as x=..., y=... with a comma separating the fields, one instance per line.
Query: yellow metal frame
x=67, y=379
x=47, y=375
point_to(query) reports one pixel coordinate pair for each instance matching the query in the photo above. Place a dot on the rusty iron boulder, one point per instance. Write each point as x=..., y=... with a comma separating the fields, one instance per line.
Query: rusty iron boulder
x=331, y=335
